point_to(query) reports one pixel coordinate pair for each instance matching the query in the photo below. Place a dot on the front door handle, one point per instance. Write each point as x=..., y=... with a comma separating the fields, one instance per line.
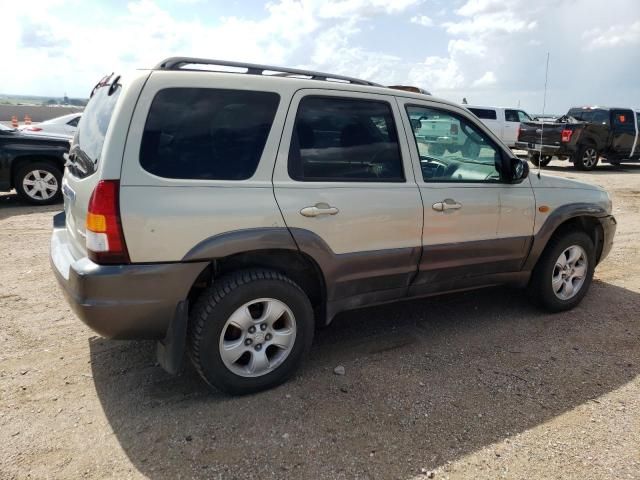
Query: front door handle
x=319, y=209
x=446, y=204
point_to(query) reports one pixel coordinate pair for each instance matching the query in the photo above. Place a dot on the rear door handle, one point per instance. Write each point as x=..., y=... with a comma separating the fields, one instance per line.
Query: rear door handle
x=319, y=209
x=446, y=204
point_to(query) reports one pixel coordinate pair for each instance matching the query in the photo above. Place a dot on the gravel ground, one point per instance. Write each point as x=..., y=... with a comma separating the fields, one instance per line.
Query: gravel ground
x=478, y=385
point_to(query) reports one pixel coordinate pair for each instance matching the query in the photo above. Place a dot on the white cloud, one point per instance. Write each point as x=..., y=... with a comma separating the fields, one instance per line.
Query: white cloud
x=467, y=47
x=422, y=20
x=437, y=73
x=490, y=50
x=489, y=78
x=476, y=7
x=614, y=36
x=506, y=22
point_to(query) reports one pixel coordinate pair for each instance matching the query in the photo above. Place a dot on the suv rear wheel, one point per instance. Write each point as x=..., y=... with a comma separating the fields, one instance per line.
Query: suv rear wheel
x=586, y=158
x=564, y=272
x=39, y=183
x=250, y=331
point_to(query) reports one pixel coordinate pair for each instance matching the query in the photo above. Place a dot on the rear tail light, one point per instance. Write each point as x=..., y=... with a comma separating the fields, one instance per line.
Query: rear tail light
x=566, y=135
x=454, y=129
x=105, y=240
x=519, y=132
x=33, y=129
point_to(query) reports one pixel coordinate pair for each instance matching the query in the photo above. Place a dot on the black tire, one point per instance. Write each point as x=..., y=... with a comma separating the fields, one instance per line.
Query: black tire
x=540, y=286
x=223, y=298
x=583, y=159
x=534, y=158
x=38, y=166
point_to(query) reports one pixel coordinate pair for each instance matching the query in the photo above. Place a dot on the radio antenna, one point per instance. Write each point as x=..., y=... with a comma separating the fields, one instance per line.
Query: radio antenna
x=544, y=105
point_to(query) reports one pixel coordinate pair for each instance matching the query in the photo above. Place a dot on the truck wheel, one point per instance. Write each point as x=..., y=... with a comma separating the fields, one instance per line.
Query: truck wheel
x=586, y=158
x=564, y=272
x=249, y=331
x=39, y=183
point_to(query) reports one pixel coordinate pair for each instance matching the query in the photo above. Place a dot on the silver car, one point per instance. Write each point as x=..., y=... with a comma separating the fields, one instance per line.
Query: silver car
x=227, y=214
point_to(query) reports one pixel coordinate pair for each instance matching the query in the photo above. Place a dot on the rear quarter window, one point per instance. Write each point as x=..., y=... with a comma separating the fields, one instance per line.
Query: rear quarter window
x=95, y=121
x=207, y=134
x=484, y=113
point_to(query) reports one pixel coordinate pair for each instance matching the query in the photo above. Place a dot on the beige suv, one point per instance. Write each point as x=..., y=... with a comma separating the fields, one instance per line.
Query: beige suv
x=228, y=213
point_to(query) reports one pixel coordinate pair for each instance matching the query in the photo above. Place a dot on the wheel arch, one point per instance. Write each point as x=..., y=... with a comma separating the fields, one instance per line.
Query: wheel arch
x=582, y=217
x=268, y=248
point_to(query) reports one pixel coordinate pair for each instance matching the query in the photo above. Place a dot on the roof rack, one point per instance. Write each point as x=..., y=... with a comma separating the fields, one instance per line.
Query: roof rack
x=177, y=63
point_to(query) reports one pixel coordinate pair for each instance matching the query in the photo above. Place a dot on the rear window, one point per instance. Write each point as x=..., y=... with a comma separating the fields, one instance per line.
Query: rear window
x=95, y=122
x=345, y=140
x=207, y=134
x=484, y=113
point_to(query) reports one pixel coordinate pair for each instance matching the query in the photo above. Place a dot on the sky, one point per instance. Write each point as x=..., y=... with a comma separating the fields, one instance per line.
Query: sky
x=492, y=52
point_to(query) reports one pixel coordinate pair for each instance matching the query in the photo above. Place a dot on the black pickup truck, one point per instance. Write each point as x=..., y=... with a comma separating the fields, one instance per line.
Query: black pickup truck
x=33, y=165
x=584, y=135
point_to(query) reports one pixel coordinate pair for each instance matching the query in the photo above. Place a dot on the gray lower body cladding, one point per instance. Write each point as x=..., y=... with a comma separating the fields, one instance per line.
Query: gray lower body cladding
x=140, y=300
x=122, y=301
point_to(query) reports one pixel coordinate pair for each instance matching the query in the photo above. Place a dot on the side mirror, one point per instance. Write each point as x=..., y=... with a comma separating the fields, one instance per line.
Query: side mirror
x=519, y=170
x=416, y=124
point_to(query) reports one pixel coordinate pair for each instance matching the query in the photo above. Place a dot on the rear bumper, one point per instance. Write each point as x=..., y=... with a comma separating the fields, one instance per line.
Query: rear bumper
x=609, y=225
x=121, y=301
x=546, y=149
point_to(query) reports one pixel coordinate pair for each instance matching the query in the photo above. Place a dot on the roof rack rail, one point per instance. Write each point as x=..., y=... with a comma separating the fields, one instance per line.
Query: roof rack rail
x=177, y=63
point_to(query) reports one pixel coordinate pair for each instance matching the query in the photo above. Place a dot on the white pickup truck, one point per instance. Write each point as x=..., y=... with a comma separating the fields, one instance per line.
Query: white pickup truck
x=504, y=122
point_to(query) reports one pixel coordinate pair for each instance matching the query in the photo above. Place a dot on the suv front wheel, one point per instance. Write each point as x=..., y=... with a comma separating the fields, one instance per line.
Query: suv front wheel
x=250, y=330
x=564, y=272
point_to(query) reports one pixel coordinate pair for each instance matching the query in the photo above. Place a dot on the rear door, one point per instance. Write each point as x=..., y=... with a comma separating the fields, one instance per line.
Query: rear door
x=623, y=132
x=511, y=126
x=344, y=182
x=491, y=117
x=475, y=224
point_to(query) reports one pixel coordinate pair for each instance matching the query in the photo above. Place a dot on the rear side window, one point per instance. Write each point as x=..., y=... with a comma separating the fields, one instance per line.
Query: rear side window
x=95, y=121
x=511, y=116
x=207, y=134
x=601, y=117
x=484, y=113
x=344, y=139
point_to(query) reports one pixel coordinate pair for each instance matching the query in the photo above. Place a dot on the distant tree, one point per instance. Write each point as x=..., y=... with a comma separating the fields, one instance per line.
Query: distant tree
x=51, y=101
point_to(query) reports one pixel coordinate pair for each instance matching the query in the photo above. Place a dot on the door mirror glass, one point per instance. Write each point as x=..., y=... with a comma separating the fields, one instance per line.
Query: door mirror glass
x=519, y=170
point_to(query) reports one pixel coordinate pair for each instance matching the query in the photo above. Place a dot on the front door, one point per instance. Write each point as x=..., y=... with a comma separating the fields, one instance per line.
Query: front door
x=344, y=182
x=475, y=224
x=623, y=132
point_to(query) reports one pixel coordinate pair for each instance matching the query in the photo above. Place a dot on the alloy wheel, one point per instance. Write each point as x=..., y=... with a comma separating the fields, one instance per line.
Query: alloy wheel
x=569, y=272
x=257, y=337
x=590, y=158
x=40, y=185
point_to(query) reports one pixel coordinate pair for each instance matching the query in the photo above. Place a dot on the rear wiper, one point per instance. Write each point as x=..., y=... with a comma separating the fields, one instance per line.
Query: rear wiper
x=79, y=161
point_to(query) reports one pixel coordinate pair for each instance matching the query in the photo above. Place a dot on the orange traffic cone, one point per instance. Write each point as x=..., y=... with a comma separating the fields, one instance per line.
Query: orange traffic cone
x=27, y=120
x=14, y=121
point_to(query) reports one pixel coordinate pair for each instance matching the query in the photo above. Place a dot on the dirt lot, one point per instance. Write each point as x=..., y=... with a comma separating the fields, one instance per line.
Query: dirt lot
x=475, y=385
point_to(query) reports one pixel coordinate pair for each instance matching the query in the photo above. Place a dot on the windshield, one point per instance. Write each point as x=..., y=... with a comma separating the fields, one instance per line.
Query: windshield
x=93, y=126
